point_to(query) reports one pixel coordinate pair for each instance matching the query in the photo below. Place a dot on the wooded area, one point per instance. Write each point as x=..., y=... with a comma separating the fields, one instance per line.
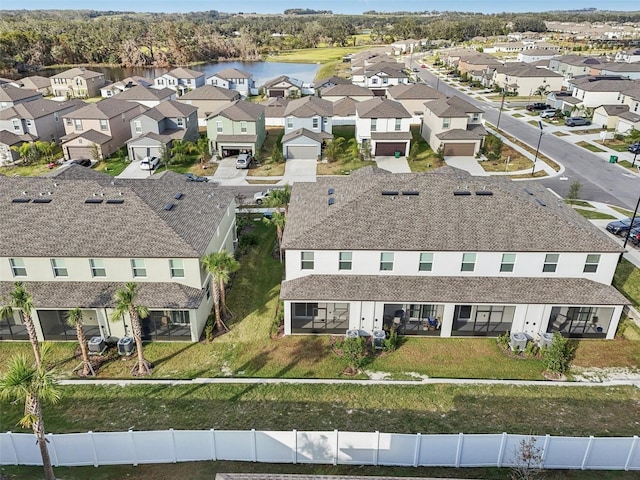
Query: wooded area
x=31, y=39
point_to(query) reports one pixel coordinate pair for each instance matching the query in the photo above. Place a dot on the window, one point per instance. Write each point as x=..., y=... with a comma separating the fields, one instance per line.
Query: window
x=374, y=81
x=426, y=262
x=316, y=122
x=446, y=122
x=56, y=117
x=59, y=268
x=17, y=267
x=468, y=262
x=307, y=261
x=219, y=126
x=289, y=122
x=78, y=124
x=16, y=125
x=508, y=261
x=374, y=124
x=591, y=265
x=345, y=261
x=386, y=261
x=243, y=127
x=176, y=266
x=97, y=267
x=68, y=121
x=137, y=125
x=398, y=124
x=104, y=125
x=137, y=267
x=385, y=80
x=207, y=289
x=476, y=117
x=180, y=122
x=550, y=262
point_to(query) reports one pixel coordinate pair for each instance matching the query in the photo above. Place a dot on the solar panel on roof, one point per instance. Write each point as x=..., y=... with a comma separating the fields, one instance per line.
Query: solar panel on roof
x=330, y=192
x=540, y=202
x=93, y=200
x=460, y=193
x=178, y=195
x=390, y=192
x=41, y=200
x=332, y=200
x=484, y=193
x=410, y=193
x=21, y=200
x=115, y=201
x=169, y=206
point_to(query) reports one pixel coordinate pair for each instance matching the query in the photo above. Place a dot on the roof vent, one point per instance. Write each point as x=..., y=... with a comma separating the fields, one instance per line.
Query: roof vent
x=540, y=202
x=390, y=193
x=410, y=193
x=169, y=206
x=528, y=191
x=331, y=191
x=460, y=193
x=115, y=201
x=178, y=195
x=93, y=200
x=21, y=200
x=484, y=193
x=332, y=200
x=41, y=200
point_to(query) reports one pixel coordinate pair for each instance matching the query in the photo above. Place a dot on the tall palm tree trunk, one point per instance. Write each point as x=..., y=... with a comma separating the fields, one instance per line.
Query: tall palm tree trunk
x=143, y=366
x=223, y=298
x=33, y=406
x=279, y=235
x=216, y=305
x=82, y=339
x=33, y=337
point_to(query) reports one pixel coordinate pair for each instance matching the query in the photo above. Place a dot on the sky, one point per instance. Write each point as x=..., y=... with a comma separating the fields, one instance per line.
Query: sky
x=336, y=6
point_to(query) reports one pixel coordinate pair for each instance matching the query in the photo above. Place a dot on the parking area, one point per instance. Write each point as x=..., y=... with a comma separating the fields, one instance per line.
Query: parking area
x=296, y=170
x=228, y=172
x=393, y=164
x=133, y=170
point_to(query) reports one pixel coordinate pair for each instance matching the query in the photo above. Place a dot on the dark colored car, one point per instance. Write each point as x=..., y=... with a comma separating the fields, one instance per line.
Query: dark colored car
x=195, y=178
x=537, y=106
x=634, y=147
x=621, y=227
x=83, y=162
x=634, y=236
x=576, y=122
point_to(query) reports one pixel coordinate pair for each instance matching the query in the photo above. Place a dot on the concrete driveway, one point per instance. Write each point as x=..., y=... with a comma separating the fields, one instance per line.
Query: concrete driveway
x=228, y=173
x=300, y=170
x=393, y=164
x=133, y=170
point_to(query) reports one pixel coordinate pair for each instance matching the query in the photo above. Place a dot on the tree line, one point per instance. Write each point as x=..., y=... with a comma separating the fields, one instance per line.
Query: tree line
x=31, y=39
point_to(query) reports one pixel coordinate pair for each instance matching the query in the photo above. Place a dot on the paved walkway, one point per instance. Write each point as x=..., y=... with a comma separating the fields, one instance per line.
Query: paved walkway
x=393, y=164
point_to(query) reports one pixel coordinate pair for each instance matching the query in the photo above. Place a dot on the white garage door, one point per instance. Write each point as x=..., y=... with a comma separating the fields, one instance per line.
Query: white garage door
x=79, y=152
x=302, y=152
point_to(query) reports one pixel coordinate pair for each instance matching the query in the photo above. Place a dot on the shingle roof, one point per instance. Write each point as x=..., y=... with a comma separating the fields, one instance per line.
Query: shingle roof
x=9, y=93
x=39, y=108
x=210, y=92
x=615, y=109
x=391, y=136
x=541, y=291
x=413, y=91
x=237, y=138
x=275, y=106
x=347, y=90
x=35, y=82
x=10, y=138
x=139, y=227
x=173, y=109
x=303, y=132
x=345, y=107
x=602, y=83
x=333, y=79
x=386, y=69
x=231, y=74
x=381, y=108
x=93, y=136
x=525, y=70
x=459, y=134
x=435, y=220
x=104, y=109
x=140, y=92
x=620, y=67
x=63, y=295
x=181, y=72
x=307, y=107
x=275, y=81
x=78, y=72
x=240, y=110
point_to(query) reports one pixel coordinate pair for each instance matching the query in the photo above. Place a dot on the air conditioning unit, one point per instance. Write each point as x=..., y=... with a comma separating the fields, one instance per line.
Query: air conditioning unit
x=352, y=334
x=378, y=339
x=97, y=345
x=545, y=340
x=125, y=346
x=518, y=341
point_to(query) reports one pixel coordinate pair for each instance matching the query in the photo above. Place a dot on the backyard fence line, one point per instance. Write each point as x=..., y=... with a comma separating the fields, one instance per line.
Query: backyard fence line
x=322, y=447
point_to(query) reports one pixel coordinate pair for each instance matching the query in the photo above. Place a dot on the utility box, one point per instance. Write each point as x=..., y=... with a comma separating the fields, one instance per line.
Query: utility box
x=378, y=339
x=546, y=339
x=518, y=341
x=125, y=346
x=353, y=333
x=96, y=345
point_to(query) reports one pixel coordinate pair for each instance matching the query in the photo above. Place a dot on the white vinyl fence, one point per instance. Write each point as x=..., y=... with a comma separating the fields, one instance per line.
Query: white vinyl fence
x=330, y=447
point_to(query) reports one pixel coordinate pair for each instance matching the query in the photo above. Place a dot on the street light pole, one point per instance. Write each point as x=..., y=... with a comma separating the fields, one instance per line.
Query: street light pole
x=634, y=159
x=537, y=148
x=504, y=92
x=626, y=238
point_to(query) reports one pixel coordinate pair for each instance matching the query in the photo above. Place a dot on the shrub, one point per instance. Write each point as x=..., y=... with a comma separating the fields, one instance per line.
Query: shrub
x=557, y=356
x=390, y=343
x=503, y=340
x=354, y=352
x=278, y=319
x=531, y=350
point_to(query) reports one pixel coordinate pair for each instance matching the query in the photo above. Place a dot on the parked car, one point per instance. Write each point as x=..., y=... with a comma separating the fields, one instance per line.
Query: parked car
x=260, y=197
x=621, y=227
x=244, y=160
x=83, y=162
x=549, y=113
x=634, y=236
x=149, y=163
x=415, y=69
x=576, y=122
x=195, y=178
x=634, y=147
x=537, y=106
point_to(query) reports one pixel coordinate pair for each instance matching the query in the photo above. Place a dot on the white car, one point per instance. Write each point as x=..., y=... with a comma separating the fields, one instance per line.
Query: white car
x=149, y=163
x=260, y=197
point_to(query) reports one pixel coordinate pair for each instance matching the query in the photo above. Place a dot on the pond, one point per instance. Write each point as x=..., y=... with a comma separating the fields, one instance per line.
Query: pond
x=262, y=71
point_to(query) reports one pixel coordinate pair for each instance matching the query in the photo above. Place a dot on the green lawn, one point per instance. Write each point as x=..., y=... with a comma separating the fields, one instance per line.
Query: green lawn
x=579, y=203
x=590, y=147
x=594, y=215
x=427, y=159
x=623, y=211
x=315, y=55
x=627, y=281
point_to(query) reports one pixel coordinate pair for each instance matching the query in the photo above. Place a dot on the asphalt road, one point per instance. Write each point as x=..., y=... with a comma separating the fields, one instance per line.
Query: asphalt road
x=599, y=180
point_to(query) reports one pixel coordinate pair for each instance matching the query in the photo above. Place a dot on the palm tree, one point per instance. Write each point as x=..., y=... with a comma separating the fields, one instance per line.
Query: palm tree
x=33, y=385
x=229, y=266
x=334, y=149
x=542, y=90
x=181, y=149
x=278, y=219
x=202, y=147
x=216, y=264
x=126, y=304
x=74, y=319
x=21, y=300
x=279, y=198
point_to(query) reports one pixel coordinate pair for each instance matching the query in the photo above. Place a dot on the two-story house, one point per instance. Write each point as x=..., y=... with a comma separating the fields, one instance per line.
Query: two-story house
x=283, y=86
x=341, y=91
x=99, y=128
x=436, y=254
x=180, y=80
x=380, y=76
x=36, y=83
x=327, y=82
x=155, y=130
x=524, y=80
x=147, y=96
x=593, y=91
x=454, y=125
x=209, y=99
x=111, y=89
x=41, y=118
x=11, y=95
x=77, y=82
x=90, y=243
x=236, y=128
x=573, y=65
x=412, y=97
x=631, y=119
x=308, y=124
x=629, y=70
x=383, y=126
x=233, y=79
